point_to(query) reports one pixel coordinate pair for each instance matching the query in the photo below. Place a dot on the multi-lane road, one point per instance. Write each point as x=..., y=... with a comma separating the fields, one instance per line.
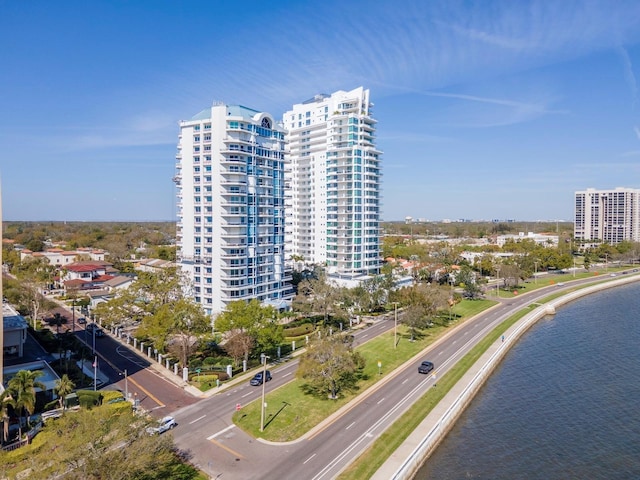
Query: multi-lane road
x=222, y=450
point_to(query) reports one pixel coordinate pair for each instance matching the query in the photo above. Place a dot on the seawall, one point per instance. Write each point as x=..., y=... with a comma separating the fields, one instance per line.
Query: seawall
x=404, y=463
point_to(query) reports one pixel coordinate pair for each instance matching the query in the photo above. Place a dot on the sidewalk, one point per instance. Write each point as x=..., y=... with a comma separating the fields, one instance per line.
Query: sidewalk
x=413, y=452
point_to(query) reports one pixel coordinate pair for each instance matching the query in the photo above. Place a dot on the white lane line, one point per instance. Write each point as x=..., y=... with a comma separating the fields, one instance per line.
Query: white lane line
x=308, y=459
x=440, y=353
x=211, y=437
x=405, y=381
x=197, y=419
x=352, y=424
x=246, y=394
x=381, y=400
x=287, y=374
x=365, y=335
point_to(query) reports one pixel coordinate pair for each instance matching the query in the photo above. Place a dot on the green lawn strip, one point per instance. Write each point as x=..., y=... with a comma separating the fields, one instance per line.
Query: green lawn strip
x=290, y=412
x=545, y=281
x=372, y=459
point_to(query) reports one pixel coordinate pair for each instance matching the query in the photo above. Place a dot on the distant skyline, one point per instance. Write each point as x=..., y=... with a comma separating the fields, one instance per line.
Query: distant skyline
x=486, y=109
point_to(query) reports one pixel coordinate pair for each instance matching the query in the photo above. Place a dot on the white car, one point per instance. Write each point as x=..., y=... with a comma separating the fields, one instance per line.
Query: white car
x=167, y=423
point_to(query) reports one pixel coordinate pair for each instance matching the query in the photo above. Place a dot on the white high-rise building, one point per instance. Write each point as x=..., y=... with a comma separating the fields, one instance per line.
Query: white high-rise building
x=333, y=181
x=230, y=231
x=611, y=216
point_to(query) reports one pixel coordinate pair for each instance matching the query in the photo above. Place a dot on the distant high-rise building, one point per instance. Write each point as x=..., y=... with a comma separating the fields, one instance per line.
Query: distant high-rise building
x=333, y=181
x=230, y=230
x=611, y=216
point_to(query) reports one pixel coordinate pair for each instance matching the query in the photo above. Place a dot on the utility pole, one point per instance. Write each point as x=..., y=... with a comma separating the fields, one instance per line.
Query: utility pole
x=395, y=325
x=264, y=382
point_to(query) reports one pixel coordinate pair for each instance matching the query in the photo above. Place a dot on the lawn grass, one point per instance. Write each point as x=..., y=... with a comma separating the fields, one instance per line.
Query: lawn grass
x=290, y=412
x=372, y=459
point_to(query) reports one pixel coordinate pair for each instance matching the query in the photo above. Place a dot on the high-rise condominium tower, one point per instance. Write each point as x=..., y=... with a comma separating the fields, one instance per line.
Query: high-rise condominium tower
x=611, y=216
x=230, y=178
x=333, y=182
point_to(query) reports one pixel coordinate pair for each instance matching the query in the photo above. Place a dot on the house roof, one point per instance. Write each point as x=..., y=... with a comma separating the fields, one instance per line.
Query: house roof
x=118, y=280
x=77, y=267
x=102, y=278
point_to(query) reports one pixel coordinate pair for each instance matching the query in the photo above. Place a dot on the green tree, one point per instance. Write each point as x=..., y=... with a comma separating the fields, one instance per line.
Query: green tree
x=101, y=443
x=321, y=297
x=249, y=324
x=329, y=366
x=23, y=390
x=64, y=386
x=6, y=402
x=421, y=303
x=471, y=284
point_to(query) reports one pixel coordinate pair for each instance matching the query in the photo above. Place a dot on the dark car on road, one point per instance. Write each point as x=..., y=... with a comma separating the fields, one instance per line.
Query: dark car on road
x=425, y=367
x=257, y=379
x=82, y=320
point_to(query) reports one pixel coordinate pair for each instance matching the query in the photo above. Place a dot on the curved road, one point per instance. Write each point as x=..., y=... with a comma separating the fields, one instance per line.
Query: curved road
x=224, y=451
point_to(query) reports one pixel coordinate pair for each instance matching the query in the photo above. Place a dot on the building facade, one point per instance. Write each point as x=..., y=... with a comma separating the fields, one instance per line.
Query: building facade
x=333, y=182
x=610, y=216
x=230, y=199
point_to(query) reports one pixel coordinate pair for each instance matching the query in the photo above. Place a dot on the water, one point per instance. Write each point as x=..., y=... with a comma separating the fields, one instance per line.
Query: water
x=564, y=403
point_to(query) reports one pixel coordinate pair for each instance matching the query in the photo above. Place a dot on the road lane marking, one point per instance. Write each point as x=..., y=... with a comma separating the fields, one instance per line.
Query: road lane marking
x=224, y=447
x=211, y=437
x=246, y=394
x=308, y=459
x=197, y=420
x=147, y=392
x=405, y=381
x=381, y=400
x=352, y=424
x=287, y=374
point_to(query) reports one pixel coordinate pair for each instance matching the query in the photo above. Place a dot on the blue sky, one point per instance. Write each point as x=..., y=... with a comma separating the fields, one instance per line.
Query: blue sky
x=486, y=109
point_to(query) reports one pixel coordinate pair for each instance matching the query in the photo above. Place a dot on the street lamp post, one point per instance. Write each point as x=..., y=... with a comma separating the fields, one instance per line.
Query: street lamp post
x=264, y=382
x=126, y=384
x=498, y=282
x=395, y=325
x=535, y=275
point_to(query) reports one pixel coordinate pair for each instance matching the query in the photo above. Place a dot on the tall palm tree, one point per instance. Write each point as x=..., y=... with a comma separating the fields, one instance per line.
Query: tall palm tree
x=6, y=401
x=64, y=387
x=23, y=390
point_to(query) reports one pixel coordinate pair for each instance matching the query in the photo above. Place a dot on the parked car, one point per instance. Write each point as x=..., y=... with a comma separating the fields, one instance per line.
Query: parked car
x=99, y=332
x=82, y=320
x=425, y=367
x=257, y=379
x=91, y=326
x=167, y=423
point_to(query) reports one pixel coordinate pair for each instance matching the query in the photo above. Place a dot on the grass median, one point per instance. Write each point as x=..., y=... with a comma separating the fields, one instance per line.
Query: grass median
x=290, y=413
x=372, y=459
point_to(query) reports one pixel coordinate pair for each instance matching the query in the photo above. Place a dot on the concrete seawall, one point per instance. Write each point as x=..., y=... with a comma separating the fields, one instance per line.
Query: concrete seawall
x=404, y=463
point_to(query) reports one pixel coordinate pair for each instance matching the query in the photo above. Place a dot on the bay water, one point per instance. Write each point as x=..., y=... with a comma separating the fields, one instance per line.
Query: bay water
x=563, y=404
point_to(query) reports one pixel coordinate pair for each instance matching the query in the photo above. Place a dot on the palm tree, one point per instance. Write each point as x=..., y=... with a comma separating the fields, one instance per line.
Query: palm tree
x=23, y=390
x=64, y=387
x=6, y=401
